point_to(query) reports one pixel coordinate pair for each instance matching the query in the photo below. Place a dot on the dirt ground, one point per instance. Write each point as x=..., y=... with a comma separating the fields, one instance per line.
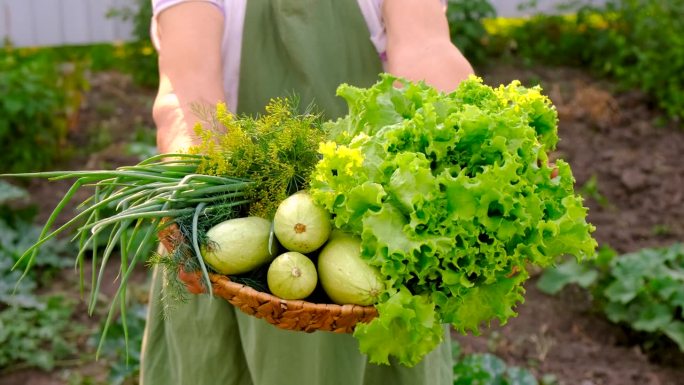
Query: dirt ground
x=614, y=136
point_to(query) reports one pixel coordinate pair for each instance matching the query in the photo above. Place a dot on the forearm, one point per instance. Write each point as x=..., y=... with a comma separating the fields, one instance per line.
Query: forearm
x=419, y=45
x=190, y=71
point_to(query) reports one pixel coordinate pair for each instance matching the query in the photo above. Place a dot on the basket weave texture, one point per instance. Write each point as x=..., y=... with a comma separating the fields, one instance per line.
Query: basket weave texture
x=295, y=315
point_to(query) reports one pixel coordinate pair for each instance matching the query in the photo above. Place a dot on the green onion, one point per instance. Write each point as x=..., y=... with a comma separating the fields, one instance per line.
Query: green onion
x=146, y=193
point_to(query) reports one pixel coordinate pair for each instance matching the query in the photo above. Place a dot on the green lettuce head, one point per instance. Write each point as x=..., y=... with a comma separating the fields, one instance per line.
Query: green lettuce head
x=453, y=197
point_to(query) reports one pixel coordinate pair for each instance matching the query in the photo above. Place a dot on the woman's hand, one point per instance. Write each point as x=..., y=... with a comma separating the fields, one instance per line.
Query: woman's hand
x=419, y=46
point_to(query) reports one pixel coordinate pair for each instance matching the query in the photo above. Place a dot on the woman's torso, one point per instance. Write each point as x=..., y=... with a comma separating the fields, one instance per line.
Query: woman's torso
x=233, y=36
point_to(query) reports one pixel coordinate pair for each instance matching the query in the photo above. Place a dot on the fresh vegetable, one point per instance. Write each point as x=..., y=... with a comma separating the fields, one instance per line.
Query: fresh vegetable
x=275, y=151
x=300, y=224
x=243, y=165
x=164, y=186
x=453, y=199
x=239, y=245
x=345, y=277
x=292, y=275
x=449, y=196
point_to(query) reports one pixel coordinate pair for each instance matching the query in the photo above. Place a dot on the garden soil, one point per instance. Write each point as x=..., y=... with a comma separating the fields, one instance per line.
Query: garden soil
x=624, y=156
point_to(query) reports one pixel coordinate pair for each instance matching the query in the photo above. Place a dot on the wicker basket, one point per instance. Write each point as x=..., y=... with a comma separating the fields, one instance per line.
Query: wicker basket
x=286, y=314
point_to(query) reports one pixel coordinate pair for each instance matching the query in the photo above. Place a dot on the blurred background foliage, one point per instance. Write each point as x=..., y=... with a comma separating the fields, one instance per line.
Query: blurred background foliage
x=638, y=43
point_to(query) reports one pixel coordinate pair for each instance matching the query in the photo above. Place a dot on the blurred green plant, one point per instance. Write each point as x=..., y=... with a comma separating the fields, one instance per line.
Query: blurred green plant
x=76, y=378
x=95, y=57
x=661, y=230
x=137, y=58
x=38, y=330
x=638, y=42
x=488, y=369
x=40, y=100
x=466, y=26
x=141, y=57
x=590, y=189
x=37, y=336
x=124, y=360
x=35, y=330
x=143, y=143
x=17, y=233
x=554, y=279
x=643, y=290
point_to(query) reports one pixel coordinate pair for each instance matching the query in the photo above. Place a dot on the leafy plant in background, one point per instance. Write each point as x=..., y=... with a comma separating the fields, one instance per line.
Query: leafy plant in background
x=37, y=336
x=585, y=275
x=643, y=290
x=645, y=48
x=39, y=97
x=590, y=189
x=141, y=58
x=143, y=143
x=466, y=27
x=16, y=233
x=123, y=360
x=94, y=57
x=552, y=39
x=488, y=369
x=638, y=42
x=37, y=331
x=34, y=330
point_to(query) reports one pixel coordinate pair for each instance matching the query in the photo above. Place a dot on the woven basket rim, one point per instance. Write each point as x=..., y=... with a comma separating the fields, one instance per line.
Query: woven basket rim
x=292, y=304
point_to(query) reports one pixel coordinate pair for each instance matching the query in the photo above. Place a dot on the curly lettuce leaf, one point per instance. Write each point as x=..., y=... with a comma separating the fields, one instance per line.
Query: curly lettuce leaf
x=484, y=303
x=404, y=320
x=452, y=195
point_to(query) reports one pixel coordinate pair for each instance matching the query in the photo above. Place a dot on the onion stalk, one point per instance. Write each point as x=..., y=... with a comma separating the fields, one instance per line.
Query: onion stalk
x=162, y=187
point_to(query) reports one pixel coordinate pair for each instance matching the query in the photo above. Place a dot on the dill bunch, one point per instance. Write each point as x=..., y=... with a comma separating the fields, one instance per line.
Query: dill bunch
x=276, y=151
x=174, y=291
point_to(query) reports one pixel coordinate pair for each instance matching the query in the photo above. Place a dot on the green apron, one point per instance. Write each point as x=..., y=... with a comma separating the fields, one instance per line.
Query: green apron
x=306, y=48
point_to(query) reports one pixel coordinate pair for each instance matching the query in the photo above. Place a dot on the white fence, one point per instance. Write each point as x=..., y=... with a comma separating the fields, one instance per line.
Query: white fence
x=28, y=23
